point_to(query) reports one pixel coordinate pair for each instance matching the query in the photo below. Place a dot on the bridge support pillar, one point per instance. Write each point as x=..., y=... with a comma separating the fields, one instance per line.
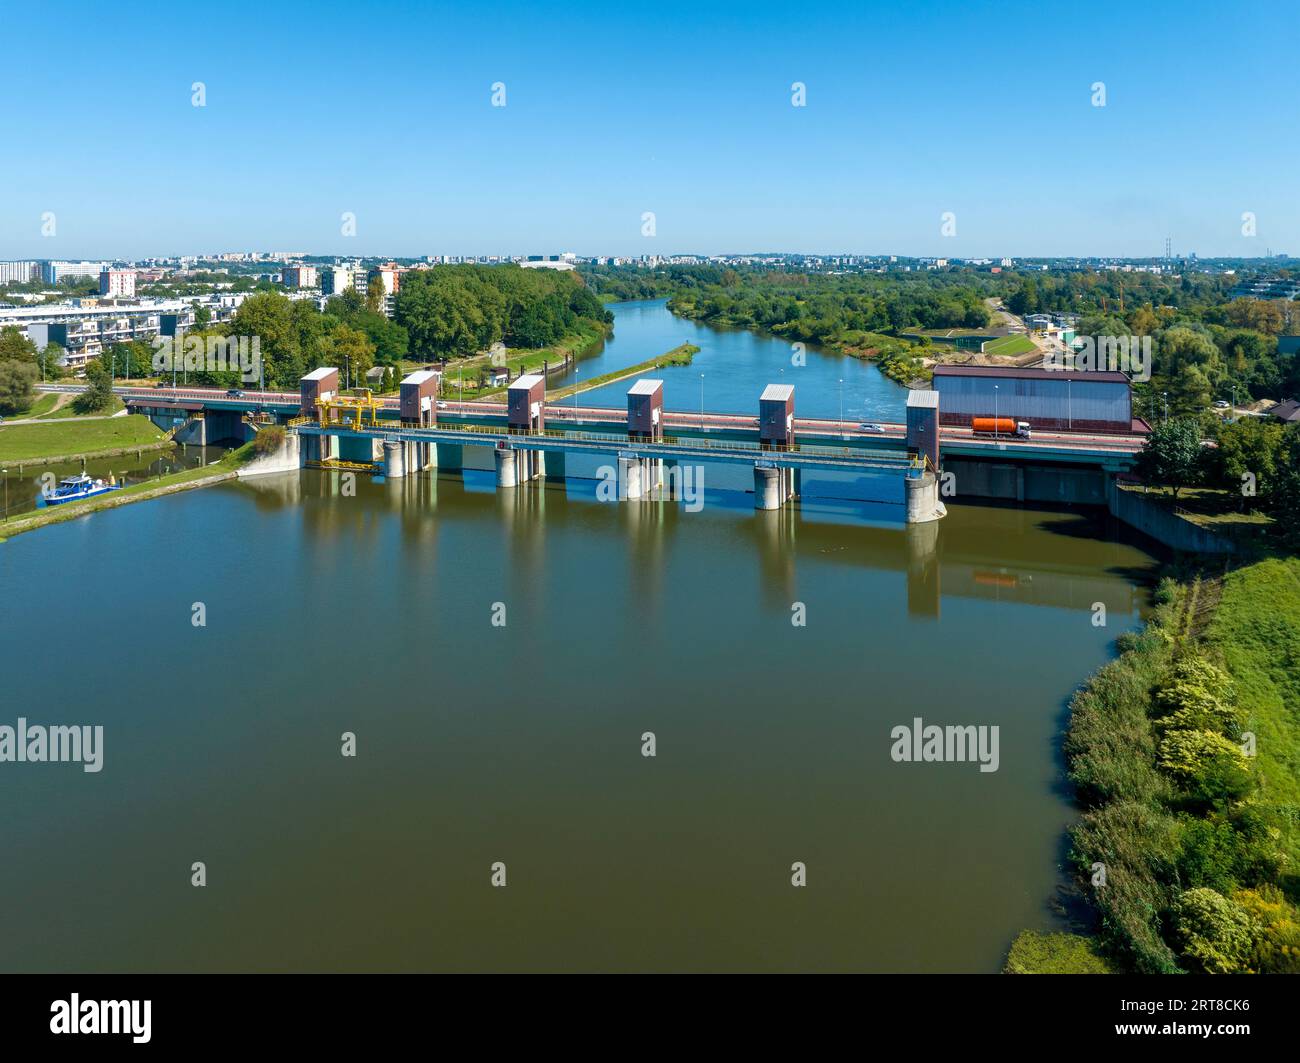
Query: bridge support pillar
x=923, y=498
x=769, y=482
x=632, y=477
x=507, y=467
x=394, y=460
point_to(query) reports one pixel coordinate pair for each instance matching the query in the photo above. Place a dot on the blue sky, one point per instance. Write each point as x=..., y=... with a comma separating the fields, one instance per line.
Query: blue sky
x=683, y=109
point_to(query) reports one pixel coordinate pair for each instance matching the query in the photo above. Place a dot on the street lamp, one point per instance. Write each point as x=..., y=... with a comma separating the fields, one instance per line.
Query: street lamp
x=841, y=383
x=995, y=411
x=1069, y=404
x=701, y=402
x=1165, y=395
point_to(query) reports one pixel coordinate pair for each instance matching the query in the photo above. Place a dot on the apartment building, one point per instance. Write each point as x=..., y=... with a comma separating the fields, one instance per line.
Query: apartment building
x=117, y=283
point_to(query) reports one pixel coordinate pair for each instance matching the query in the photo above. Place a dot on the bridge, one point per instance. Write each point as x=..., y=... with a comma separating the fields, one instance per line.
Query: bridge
x=912, y=463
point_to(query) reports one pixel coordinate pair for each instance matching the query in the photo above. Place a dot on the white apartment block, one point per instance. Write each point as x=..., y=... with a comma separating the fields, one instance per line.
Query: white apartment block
x=19, y=272
x=117, y=283
x=53, y=272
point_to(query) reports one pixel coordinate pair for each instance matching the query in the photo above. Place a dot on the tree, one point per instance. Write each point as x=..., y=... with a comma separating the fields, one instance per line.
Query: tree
x=17, y=383
x=98, y=397
x=1247, y=456
x=349, y=349
x=15, y=346
x=1172, y=454
x=375, y=295
x=268, y=316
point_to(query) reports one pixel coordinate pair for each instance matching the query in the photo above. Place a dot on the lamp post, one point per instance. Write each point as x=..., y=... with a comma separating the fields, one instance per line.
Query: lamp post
x=1069, y=404
x=841, y=382
x=701, y=402
x=1165, y=395
x=995, y=411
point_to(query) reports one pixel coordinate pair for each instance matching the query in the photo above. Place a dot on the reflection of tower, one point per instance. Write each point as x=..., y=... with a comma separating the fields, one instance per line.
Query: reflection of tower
x=774, y=531
x=923, y=569
x=644, y=523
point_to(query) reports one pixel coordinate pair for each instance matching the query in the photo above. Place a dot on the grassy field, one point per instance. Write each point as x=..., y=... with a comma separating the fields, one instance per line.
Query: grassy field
x=1256, y=628
x=43, y=406
x=1009, y=346
x=465, y=374
x=25, y=442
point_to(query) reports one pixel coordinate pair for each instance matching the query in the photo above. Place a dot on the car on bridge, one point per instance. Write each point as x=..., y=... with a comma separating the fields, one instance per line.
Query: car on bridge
x=234, y=393
x=868, y=426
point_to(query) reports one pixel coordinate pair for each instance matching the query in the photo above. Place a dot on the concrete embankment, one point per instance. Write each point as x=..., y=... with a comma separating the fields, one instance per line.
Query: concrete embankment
x=1161, y=524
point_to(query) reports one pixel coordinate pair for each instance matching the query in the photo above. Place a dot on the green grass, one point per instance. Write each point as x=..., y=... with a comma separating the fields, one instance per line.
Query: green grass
x=74, y=437
x=680, y=355
x=1009, y=346
x=1256, y=628
x=1035, y=953
x=43, y=405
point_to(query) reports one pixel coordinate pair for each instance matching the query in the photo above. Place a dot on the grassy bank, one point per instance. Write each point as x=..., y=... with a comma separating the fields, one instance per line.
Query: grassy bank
x=1185, y=757
x=681, y=355
x=225, y=469
x=75, y=438
x=468, y=372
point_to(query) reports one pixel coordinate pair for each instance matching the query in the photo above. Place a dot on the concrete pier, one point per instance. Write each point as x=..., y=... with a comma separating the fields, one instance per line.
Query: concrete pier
x=768, y=487
x=507, y=467
x=923, y=498
x=394, y=460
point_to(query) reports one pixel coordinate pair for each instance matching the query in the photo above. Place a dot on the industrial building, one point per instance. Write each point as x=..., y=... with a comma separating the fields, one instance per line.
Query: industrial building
x=1046, y=398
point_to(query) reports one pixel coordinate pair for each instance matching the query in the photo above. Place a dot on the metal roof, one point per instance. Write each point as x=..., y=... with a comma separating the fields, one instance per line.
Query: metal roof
x=777, y=393
x=645, y=387
x=527, y=382
x=927, y=400
x=420, y=376
x=321, y=373
x=1012, y=373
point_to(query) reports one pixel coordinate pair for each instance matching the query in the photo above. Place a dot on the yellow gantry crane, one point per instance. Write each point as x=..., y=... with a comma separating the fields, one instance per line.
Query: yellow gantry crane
x=357, y=410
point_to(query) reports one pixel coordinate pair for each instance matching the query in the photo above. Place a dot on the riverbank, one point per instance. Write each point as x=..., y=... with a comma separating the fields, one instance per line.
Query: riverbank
x=1185, y=757
x=72, y=439
x=683, y=354
x=225, y=469
x=467, y=374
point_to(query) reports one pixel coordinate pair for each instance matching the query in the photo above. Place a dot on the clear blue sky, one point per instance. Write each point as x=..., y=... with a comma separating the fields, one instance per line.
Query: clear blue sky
x=613, y=109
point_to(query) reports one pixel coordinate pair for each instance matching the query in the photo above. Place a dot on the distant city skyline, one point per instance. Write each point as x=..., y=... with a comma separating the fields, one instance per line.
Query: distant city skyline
x=913, y=121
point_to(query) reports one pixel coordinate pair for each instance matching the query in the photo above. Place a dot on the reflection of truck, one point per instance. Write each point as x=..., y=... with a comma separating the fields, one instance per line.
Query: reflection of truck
x=999, y=426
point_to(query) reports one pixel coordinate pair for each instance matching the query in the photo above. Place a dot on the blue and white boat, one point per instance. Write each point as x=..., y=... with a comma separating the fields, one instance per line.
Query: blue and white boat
x=75, y=488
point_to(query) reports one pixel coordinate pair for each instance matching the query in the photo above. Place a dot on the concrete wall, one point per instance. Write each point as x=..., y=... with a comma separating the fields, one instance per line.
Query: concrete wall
x=1164, y=526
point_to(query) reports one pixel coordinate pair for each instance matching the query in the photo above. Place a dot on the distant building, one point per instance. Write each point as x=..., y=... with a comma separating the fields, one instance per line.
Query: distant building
x=53, y=272
x=1267, y=288
x=298, y=276
x=1288, y=411
x=335, y=280
x=19, y=272
x=117, y=283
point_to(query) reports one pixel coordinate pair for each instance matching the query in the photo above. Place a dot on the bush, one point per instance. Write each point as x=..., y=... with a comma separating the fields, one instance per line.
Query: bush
x=1275, y=930
x=1034, y=953
x=1208, y=766
x=269, y=439
x=1216, y=934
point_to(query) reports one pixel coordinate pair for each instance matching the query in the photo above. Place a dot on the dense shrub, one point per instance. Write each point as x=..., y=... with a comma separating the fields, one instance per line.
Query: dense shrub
x=1215, y=933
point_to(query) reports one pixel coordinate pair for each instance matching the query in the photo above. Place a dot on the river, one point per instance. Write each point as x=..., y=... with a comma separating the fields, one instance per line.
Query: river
x=499, y=658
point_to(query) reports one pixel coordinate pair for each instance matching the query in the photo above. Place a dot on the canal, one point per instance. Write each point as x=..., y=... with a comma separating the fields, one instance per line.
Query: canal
x=500, y=659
